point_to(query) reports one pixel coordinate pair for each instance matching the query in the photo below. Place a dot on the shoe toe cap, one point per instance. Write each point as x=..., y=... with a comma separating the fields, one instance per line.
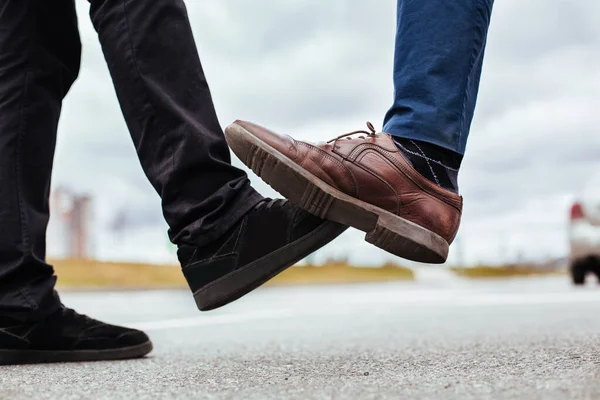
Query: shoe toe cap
x=132, y=338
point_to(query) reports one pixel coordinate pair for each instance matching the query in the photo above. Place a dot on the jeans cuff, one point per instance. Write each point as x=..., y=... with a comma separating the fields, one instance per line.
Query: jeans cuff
x=425, y=133
x=246, y=200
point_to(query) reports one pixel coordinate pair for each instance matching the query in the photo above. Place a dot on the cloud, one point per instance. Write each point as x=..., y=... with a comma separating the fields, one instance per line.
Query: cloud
x=317, y=69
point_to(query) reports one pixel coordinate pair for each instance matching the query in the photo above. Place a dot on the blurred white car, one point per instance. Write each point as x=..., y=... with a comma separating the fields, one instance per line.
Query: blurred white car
x=584, y=236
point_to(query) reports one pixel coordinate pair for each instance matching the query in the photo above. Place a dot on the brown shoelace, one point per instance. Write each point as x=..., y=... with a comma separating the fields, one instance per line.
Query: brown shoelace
x=370, y=133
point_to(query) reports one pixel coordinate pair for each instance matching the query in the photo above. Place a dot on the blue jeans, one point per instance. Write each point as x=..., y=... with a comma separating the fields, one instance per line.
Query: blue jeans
x=437, y=66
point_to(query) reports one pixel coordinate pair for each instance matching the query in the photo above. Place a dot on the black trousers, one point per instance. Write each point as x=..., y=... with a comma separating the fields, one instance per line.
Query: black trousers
x=166, y=102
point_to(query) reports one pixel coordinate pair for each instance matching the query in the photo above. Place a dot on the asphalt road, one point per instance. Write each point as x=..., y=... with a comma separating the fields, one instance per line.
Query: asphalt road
x=439, y=339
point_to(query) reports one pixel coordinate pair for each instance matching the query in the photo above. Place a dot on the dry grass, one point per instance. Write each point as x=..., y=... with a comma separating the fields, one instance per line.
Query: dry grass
x=342, y=273
x=96, y=274
x=485, y=271
x=88, y=274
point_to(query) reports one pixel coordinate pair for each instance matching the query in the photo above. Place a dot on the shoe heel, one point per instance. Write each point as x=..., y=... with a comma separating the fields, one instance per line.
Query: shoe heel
x=399, y=237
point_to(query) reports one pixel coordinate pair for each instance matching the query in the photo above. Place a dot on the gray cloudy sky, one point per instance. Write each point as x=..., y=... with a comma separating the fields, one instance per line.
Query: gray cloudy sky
x=316, y=69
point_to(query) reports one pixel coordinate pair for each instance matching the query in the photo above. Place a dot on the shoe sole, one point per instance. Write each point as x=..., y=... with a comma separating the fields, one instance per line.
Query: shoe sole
x=244, y=280
x=383, y=229
x=18, y=357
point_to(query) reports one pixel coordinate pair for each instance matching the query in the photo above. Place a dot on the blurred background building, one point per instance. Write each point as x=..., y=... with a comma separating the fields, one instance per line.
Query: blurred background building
x=70, y=230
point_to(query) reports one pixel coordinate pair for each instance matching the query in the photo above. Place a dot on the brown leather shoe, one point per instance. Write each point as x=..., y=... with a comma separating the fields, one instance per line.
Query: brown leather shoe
x=362, y=182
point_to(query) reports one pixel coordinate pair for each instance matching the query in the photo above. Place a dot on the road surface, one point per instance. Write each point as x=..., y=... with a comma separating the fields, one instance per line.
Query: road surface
x=438, y=339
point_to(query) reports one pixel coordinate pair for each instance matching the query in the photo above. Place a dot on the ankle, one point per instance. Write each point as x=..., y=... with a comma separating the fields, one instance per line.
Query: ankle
x=437, y=164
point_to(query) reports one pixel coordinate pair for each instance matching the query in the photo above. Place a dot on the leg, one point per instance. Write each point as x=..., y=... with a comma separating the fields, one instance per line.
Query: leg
x=401, y=189
x=230, y=239
x=437, y=66
x=39, y=53
x=167, y=104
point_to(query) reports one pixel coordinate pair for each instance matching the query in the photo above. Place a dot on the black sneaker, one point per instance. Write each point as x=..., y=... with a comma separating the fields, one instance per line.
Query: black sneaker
x=269, y=239
x=66, y=336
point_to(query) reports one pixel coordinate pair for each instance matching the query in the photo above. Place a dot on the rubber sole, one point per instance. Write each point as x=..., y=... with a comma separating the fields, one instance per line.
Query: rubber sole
x=18, y=357
x=244, y=280
x=383, y=229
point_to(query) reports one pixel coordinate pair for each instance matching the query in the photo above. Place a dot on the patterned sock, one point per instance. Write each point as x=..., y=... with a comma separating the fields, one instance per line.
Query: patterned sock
x=435, y=163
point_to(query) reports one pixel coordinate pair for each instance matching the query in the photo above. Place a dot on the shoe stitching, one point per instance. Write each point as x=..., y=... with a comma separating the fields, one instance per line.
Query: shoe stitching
x=29, y=332
x=367, y=169
x=445, y=196
x=12, y=335
x=190, y=258
x=292, y=225
x=225, y=243
x=427, y=186
x=240, y=233
x=345, y=169
x=211, y=258
x=318, y=230
x=358, y=149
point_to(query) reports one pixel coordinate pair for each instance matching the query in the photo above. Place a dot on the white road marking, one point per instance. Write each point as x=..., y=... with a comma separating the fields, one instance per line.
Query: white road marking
x=348, y=304
x=210, y=320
